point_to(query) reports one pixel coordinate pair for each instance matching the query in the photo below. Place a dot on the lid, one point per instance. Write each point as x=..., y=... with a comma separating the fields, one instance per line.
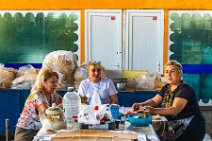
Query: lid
x=74, y=116
x=54, y=110
x=70, y=89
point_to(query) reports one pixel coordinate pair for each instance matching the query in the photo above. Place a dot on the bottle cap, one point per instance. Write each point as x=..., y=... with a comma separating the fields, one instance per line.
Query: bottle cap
x=70, y=88
x=74, y=116
x=96, y=108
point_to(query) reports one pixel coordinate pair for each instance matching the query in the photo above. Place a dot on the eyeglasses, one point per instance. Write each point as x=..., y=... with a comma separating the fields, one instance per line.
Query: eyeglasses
x=95, y=70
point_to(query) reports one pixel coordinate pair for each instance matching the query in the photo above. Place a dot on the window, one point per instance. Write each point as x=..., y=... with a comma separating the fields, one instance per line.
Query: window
x=28, y=36
x=190, y=42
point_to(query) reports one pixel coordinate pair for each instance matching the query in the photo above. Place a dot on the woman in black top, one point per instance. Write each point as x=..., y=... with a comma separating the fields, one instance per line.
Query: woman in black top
x=178, y=104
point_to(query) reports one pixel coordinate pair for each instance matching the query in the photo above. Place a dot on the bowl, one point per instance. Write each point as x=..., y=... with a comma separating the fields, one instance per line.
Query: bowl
x=137, y=121
x=121, y=85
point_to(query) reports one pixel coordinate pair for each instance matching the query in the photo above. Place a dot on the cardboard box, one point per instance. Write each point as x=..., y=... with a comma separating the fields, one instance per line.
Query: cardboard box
x=133, y=74
x=94, y=135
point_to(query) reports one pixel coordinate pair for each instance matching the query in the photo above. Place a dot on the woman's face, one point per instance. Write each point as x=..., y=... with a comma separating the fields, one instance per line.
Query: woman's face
x=50, y=85
x=94, y=74
x=172, y=74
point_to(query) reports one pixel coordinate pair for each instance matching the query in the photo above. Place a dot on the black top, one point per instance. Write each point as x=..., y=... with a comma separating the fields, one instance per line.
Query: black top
x=185, y=91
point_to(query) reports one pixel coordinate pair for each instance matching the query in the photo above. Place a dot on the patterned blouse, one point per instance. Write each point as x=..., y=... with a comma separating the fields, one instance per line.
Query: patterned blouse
x=29, y=118
x=168, y=98
x=185, y=91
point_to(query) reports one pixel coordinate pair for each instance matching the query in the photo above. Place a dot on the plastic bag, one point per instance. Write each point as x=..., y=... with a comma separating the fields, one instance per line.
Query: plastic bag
x=95, y=99
x=6, y=77
x=24, y=79
x=26, y=85
x=147, y=81
x=87, y=115
x=27, y=69
x=104, y=113
x=63, y=62
x=81, y=73
x=1, y=66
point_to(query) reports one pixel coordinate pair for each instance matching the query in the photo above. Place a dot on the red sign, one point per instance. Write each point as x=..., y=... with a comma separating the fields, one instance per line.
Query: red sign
x=154, y=17
x=113, y=18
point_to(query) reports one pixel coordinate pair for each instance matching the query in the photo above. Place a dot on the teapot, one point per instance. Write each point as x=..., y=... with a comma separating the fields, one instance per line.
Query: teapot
x=53, y=119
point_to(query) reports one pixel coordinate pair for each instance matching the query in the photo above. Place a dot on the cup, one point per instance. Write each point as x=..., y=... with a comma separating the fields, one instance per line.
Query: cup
x=114, y=108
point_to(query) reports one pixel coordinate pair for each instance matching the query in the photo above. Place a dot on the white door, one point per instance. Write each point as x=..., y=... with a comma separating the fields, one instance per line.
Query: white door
x=103, y=37
x=144, y=40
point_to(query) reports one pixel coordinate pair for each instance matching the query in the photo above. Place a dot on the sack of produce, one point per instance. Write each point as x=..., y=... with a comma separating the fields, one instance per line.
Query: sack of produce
x=6, y=77
x=25, y=78
x=81, y=73
x=147, y=81
x=63, y=62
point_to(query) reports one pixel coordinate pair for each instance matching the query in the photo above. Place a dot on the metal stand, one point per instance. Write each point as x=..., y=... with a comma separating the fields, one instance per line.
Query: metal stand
x=7, y=129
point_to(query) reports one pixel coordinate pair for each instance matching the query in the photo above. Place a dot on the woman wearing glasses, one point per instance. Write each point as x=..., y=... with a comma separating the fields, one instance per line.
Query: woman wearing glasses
x=179, y=105
x=104, y=86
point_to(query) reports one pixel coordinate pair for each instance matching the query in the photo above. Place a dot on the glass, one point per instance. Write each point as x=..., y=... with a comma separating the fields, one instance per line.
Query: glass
x=27, y=37
x=190, y=43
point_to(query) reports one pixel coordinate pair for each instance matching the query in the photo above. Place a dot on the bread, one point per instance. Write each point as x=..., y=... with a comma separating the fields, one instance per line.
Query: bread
x=156, y=117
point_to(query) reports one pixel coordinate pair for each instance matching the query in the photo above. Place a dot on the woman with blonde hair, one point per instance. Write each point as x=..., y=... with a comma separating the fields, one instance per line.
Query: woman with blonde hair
x=179, y=105
x=42, y=95
x=95, y=81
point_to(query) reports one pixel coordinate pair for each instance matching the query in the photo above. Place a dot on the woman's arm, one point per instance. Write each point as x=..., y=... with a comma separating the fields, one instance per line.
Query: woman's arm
x=60, y=105
x=113, y=99
x=177, y=106
x=42, y=107
x=153, y=102
x=82, y=89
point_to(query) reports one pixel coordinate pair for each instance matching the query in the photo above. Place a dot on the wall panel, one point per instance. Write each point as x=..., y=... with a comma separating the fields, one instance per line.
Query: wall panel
x=108, y=4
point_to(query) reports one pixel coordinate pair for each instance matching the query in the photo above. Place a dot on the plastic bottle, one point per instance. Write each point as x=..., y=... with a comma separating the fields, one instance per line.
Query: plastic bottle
x=95, y=100
x=71, y=105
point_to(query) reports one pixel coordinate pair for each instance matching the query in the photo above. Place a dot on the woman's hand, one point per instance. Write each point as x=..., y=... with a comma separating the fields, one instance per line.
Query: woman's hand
x=137, y=106
x=113, y=99
x=148, y=109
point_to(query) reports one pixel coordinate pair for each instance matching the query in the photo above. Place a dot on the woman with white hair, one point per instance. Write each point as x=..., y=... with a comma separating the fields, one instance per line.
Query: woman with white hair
x=105, y=87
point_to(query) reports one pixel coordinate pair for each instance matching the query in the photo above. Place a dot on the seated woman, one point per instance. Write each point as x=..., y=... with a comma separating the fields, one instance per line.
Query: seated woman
x=105, y=86
x=42, y=96
x=178, y=104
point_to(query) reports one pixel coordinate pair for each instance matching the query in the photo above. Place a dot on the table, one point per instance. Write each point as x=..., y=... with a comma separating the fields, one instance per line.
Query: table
x=144, y=133
x=12, y=109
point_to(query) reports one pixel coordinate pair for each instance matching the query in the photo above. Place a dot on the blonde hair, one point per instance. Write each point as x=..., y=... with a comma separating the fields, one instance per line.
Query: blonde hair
x=174, y=63
x=43, y=76
x=96, y=65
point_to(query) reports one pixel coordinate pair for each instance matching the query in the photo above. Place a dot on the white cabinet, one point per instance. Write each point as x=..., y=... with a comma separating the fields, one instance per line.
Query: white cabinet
x=144, y=40
x=134, y=42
